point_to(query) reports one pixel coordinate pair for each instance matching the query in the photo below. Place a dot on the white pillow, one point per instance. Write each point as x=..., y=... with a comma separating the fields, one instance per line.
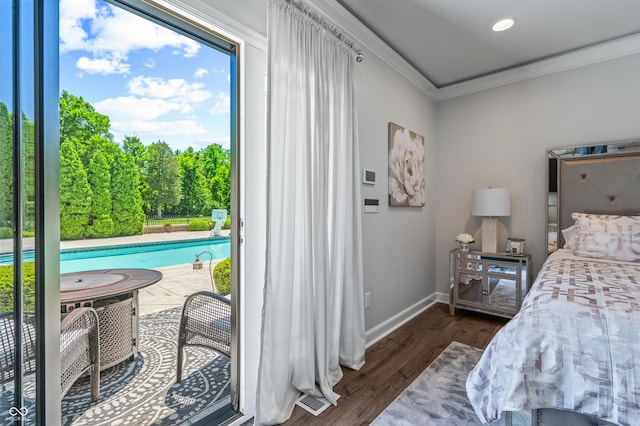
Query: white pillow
x=607, y=236
x=570, y=234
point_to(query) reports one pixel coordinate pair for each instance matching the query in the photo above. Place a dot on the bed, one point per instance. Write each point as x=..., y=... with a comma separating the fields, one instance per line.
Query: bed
x=572, y=353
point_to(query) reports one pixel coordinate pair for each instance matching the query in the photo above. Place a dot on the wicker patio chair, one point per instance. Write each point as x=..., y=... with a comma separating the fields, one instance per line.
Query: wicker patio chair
x=205, y=322
x=7, y=347
x=80, y=349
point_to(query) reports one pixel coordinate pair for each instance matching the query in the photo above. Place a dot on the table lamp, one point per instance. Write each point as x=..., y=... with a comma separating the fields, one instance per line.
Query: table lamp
x=489, y=203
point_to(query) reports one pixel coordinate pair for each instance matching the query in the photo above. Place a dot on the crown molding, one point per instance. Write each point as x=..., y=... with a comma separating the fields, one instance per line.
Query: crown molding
x=589, y=55
x=204, y=14
x=364, y=37
x=577, y=58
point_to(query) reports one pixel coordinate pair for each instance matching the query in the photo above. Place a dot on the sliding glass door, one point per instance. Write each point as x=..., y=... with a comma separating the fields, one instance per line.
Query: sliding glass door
x=29, y=318
x=30, y=362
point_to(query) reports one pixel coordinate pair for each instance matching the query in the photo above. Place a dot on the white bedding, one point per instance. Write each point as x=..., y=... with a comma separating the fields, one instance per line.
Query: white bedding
x=574, y=345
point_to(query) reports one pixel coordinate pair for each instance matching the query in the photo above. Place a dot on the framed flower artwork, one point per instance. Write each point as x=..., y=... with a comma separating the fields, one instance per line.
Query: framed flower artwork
x=406, y=167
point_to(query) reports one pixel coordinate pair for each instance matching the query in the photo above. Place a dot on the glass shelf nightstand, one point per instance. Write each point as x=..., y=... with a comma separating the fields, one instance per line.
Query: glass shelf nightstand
x=493, y=283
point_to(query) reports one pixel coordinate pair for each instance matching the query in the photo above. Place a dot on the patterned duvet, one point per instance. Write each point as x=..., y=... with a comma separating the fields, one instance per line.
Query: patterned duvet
x=574, y=345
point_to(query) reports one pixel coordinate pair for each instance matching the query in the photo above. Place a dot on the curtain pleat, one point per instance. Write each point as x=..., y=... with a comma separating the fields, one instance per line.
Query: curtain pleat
x=313, y=313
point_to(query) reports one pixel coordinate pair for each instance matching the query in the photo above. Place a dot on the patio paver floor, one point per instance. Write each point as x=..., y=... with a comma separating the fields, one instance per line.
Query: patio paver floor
x=178, y=281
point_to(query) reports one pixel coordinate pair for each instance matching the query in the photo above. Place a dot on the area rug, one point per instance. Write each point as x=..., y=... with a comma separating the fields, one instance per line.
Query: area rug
x=143, y=391
x=438, y=396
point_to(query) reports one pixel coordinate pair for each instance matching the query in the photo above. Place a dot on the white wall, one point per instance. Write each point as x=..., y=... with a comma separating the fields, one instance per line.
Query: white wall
x=498, y=137
x=254, y=213
x=398, y=242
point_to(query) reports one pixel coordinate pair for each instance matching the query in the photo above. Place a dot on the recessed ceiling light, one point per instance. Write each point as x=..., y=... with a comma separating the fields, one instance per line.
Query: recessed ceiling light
x=503, y=24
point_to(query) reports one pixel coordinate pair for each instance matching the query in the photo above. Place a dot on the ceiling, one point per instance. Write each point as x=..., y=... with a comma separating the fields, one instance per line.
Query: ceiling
x=451, y=41
x=450, y=46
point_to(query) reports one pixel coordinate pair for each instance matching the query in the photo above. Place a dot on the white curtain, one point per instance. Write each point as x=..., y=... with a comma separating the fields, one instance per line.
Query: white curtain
x=313, y=314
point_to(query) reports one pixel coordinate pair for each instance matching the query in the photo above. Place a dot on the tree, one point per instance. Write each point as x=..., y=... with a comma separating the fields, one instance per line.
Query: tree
x=163, y=176
x=126, y=210
x=87, y=147
x=29, y=164
x=217, y=169
x=6, y=171
x=132, y=146
x=196, y=199
x=6, y=168
x=99, y=177
x=75, y=195
x=79, y=119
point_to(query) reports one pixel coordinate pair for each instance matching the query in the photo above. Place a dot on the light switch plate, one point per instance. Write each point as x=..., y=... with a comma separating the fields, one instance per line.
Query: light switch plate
x=371, y=205
x=368, y=177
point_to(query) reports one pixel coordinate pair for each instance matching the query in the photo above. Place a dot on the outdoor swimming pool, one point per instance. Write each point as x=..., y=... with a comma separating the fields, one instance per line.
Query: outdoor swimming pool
x=147, y=255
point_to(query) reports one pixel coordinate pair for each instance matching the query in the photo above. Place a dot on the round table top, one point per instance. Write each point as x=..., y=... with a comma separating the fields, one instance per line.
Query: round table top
x=87, y=285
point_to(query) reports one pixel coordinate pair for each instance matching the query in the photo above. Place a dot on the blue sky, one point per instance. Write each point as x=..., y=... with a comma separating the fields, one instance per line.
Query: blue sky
x=152, y=82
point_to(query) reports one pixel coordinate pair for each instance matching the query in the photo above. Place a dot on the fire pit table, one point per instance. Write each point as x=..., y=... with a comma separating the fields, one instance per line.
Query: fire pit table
x=113, y=293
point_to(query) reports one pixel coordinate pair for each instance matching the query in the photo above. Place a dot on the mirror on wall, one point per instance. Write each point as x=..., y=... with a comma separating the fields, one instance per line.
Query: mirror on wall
x=554, y=157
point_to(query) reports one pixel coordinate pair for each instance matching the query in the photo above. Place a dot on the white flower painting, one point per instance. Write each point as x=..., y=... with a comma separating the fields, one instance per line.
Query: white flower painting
x=406, y=167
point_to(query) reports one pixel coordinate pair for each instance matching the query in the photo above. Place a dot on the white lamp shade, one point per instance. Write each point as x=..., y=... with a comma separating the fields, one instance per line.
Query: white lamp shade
x=491, y=202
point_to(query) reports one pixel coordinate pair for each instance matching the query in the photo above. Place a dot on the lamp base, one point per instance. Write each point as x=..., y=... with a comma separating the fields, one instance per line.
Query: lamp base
x=489, y=234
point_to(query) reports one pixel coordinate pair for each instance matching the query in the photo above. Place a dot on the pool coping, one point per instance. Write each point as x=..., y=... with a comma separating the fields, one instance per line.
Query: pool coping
x=143, y=244
x=6, y=245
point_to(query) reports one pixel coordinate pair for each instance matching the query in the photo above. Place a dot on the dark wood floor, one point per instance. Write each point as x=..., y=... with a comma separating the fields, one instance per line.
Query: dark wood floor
x=394, y=362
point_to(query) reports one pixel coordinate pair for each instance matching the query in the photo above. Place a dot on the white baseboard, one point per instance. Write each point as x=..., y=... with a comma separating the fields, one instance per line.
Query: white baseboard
x=382, y=330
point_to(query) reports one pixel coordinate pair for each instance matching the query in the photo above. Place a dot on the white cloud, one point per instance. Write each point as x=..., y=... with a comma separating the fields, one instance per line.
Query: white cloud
x=150, y=63
x=200, y=72
x=179, y=134
x=175, y=89
x=107, y=32
x=131, y=108
x=110, y=36
x=102, y=65
x=72, y=12
x=153, y=128
x=223, y=105
x=222, y=141
x=197, y=143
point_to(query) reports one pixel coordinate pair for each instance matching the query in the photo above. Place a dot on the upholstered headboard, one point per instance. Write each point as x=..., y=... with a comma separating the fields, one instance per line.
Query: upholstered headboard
x=601, y=184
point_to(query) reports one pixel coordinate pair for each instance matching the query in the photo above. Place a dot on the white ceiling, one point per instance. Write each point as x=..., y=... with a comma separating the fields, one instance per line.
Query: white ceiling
x=451, y=41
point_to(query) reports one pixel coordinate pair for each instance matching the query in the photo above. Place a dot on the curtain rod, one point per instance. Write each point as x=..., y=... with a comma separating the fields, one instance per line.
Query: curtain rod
x=328, y=26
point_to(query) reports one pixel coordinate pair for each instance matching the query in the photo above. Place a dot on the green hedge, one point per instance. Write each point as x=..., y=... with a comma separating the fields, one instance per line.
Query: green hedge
x=198, y=225
x=222, y=276
x=6, y=232
x=6, y=287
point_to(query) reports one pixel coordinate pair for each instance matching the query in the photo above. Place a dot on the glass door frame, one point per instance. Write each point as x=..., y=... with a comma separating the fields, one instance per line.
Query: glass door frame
x=181, y=24
x=45, y=29
x=47, y=206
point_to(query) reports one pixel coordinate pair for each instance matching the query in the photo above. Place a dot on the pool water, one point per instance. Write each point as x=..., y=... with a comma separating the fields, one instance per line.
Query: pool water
x=148, y=255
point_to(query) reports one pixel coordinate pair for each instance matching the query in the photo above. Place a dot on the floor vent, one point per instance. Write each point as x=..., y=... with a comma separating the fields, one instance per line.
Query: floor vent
x=313, y=404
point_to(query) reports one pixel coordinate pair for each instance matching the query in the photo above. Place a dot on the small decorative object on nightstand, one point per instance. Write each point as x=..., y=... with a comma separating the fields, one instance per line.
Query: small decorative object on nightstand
x=493, y=283
x=464, y=240
x=515, y=246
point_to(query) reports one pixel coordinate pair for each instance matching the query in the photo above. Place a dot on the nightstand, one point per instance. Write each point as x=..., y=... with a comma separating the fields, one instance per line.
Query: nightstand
x=493, y=283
